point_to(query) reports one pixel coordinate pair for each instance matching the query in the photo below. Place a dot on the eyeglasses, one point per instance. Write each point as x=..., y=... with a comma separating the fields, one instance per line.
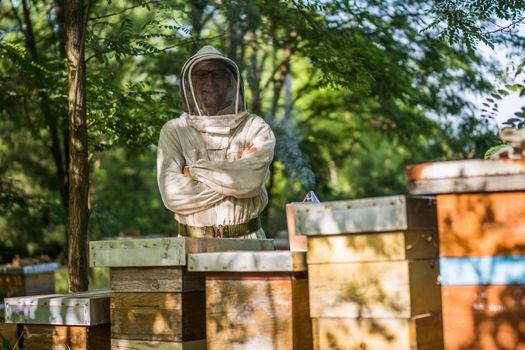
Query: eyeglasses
x=215, y=74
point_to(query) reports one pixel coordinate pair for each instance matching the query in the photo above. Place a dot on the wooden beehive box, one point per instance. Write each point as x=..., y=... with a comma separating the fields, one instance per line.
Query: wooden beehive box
x=255, y=300
x=27, y=280
x=8, y=331
x=422, y=333
x=484, y=317
x=155, y=301
x=481, y=216
x=76, y=321
x=373, y=262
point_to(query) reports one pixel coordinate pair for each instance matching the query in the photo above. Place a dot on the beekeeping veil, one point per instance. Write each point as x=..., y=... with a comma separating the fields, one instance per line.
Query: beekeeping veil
x=235, y=102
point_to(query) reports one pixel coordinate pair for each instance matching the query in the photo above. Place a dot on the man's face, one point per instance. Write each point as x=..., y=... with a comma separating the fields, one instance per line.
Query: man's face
x=211, y=79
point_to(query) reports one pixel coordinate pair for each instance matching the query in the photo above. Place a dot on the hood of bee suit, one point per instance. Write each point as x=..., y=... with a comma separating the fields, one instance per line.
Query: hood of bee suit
x=228, y=117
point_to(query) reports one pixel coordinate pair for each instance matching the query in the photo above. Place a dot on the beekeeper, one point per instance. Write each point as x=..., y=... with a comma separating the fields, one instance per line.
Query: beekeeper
x=213, y=160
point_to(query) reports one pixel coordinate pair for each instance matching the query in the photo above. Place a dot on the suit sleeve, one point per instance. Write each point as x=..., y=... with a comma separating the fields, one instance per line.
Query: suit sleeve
x=243, y=178
x=180, y=194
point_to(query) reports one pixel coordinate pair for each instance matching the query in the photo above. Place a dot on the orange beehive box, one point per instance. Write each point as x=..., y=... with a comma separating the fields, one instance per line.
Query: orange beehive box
x=482, y=224
x=484, y=317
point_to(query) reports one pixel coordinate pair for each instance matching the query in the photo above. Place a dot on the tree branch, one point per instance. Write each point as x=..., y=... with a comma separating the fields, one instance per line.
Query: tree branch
x=18, y=18
x=124, y=10
x=185, y=42
x=196, y=40
x=510, y=26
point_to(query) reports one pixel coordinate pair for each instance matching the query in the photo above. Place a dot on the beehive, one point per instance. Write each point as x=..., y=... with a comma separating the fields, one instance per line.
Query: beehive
x=76, y=321
x=481, y=216
x=8, y=331
x=255, y=300
x=373, y=272
x=27, y=280
x=155, y=302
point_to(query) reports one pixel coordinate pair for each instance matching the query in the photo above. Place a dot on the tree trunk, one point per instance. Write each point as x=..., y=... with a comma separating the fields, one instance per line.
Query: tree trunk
x=76, y=18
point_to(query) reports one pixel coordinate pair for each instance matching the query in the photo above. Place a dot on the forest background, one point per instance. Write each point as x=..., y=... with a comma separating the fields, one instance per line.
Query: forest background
x=354, y=90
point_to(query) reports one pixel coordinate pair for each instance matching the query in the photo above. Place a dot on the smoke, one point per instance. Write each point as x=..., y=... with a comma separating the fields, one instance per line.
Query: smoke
x=296, y=165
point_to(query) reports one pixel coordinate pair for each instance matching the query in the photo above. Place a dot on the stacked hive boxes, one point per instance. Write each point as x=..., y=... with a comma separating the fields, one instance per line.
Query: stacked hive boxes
x=76, y=321
x=155, y=302
x=255, y=300
x=22, y=280
x=373, y=273
x=481, y=218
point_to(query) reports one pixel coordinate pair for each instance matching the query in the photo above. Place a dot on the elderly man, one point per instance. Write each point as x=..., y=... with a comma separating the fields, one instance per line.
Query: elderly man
x=212, y=161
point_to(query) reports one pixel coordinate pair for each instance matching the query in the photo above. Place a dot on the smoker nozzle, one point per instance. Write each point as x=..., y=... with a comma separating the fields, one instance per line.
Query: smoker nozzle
x=311, y=197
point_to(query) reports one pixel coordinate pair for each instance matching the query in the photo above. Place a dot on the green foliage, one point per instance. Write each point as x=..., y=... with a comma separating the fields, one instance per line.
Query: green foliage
x=126, y=198
x=470, y=22
x=509, y=86
x=355, y=91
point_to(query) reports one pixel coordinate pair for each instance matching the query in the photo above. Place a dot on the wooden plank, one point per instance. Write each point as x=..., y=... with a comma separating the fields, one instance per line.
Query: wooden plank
x=170, y=251
x=465, y=168
x=74, y=309
x=256, y=314
x=464, y=176
x=380, y=214
x=155, y=279
x=277, y=261
x=45, y=337
x=484, y=270
x=373, y=247
x=424, y=333
x=158, y=316
x=126, y=344
x=297, y=243
x=484, y=317
x=468, y=185
x=301, y=321
x=482, y=224
x=374, y=289
x=8, y=334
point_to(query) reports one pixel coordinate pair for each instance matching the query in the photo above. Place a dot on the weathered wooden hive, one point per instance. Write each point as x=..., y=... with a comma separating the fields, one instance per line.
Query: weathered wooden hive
x=373, y=272
x=255, y=300
x=75, y=321
x=481, y=218
x=27, y=280
x=8, y=331
x=155, y=301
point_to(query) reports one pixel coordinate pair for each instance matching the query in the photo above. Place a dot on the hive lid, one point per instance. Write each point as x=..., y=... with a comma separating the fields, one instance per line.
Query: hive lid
x=170, y=251
x=29, y=269
x=379, y=214
x=75, y=309
x=467, y=176
x=276, y=261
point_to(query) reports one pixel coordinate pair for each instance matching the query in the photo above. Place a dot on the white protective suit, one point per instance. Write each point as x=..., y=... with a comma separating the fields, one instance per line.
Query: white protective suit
x=222, y=190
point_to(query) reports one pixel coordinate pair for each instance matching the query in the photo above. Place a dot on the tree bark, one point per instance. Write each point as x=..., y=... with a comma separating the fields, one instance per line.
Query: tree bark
x=75, y=16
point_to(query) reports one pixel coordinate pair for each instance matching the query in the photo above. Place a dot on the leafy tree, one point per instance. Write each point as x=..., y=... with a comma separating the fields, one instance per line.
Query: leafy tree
x=354, y=91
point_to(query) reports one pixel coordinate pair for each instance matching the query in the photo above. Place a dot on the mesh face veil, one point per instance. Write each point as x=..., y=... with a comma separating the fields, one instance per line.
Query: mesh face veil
x=210, y=78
